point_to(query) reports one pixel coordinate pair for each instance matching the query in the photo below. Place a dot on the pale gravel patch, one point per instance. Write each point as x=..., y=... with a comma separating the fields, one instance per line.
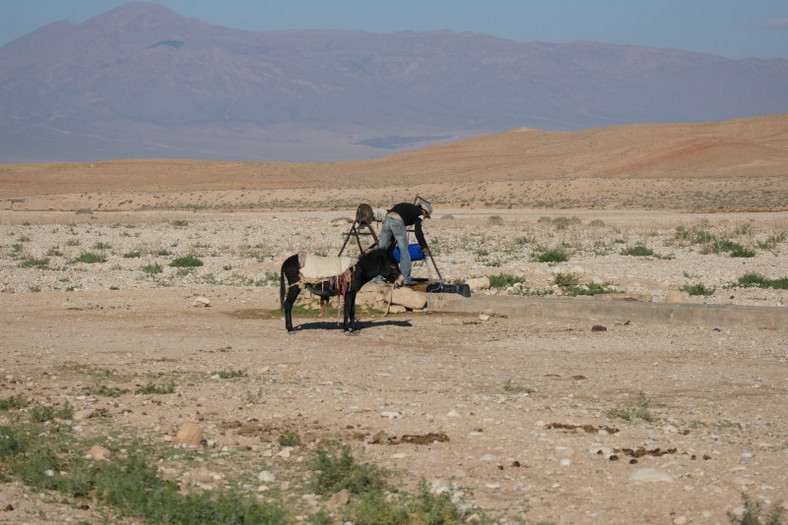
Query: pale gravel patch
x=246, y=249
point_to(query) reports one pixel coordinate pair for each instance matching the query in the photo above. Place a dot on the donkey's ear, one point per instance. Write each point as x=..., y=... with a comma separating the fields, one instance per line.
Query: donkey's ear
x=390, y=249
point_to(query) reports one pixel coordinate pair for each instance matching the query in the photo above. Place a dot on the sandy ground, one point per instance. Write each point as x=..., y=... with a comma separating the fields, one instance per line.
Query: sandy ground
x=530, y=408
x=525, y=420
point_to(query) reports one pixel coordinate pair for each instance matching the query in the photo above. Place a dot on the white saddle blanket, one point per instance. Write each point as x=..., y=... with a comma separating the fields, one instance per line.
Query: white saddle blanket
x=318, y=267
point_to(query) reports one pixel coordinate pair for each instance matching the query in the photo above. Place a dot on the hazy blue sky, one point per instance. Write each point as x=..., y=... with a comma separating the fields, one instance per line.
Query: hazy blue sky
x=731, y=28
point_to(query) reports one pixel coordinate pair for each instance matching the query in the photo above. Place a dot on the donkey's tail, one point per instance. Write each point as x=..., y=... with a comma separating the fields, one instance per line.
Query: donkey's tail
x=282, y=288
x=289, y=272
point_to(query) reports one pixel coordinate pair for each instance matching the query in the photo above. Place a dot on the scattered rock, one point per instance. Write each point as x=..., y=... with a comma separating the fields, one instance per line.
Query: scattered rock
x=598, y=328
x=266, y=477
x=650, y=475
x=189, y=434
x=84, y=414
x=339, y=499
x=674, y=296
x=478, y=283
x=408, y=298
x=201, y=302
x=99, y=453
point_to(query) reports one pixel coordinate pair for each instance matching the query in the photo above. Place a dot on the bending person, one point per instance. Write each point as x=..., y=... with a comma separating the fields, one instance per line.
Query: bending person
x=395, y=225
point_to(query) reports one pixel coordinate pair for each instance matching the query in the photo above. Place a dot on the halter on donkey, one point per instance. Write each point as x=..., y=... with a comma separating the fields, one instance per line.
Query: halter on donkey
x=347, y=281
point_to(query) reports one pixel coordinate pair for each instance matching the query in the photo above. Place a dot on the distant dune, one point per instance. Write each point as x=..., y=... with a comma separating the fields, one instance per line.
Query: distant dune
x=738, y=164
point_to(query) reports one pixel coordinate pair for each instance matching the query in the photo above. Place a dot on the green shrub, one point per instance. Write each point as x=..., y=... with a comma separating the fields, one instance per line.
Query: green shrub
x=289, y=439
x=740, y=251
x=588, y=289
x=188, y=261
x=10, y=443
x=230, y=374
x=12, y=403
x=757, y=280
x=551, y=256
x=638, y=251
x=727, y=246
x=90, y=258
x=150, y=388
x=512, y=388
x=566, y=279
x=152, y=269
x=32, y=262
x=697, y=289
x=337, y=470
x=753, y=512
x=639, y=409
x=104, y=390
x=504, y=280
x=422, y=508
x=44, y=413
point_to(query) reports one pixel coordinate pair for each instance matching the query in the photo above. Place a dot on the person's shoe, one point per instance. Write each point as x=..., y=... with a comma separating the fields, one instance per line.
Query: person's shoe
x=378, y=280
x=409, y=282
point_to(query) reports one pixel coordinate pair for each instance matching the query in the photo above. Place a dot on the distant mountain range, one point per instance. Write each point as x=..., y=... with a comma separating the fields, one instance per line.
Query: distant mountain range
x=141, y=81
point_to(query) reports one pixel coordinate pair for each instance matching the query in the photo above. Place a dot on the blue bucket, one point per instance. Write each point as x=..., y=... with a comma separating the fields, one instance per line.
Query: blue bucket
x=413, y=249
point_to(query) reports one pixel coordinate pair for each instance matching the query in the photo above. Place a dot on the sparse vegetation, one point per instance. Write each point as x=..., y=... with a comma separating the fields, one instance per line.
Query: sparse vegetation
x=759, y=281
x=558, y=255
x=698, y=289
x=638, y=409
x=564, y=279
x=638, y=251
x=44, y=413
x=104, y=391
x=755, y=514
x=289, y=439
x=512, y=388
x=504, y=280
x=152, y=268
x=151, y=388
x=32, y=262
x=588, y=289
x=187, y=261
x=90, y=258
x=12, y=403
x=229, y=374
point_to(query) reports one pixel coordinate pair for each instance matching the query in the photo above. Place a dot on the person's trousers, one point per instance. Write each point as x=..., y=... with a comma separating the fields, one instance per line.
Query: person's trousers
x=396, y=228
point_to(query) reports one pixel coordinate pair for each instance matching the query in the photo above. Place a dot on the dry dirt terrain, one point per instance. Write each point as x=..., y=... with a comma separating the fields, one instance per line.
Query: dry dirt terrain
x=520, y=419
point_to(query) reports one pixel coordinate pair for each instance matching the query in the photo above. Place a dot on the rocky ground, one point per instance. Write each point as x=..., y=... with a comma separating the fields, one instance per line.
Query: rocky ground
x=532, y=419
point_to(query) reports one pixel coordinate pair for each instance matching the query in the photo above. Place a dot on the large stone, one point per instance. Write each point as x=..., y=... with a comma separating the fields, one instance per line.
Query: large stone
x=650, y=475
x=189, y=434
x=478, y=283
x=409, y=298
x=675, y=297
x=99, y=453
x=201, y=302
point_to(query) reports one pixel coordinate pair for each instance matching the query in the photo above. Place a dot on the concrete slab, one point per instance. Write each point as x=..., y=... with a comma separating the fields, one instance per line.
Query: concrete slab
x=727, y=316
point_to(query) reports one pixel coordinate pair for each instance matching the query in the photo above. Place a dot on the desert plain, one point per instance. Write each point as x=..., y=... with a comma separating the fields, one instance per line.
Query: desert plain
x=520, y=419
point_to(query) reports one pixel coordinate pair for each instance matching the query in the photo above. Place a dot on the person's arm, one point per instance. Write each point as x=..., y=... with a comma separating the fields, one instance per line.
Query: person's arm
x=420, y=236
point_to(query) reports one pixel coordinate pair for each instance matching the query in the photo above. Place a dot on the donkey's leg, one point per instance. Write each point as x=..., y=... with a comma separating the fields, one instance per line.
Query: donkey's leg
x=350, y=312
x=292, y=295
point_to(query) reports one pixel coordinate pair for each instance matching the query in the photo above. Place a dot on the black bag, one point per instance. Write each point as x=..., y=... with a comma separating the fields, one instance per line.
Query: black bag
x=462, y=289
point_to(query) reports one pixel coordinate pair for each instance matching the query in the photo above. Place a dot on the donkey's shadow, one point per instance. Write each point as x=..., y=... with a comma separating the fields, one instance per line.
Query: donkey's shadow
x=360, y=325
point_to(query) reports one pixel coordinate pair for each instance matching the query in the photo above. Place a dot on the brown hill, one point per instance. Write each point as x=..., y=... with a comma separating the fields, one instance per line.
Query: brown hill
x=146, y=82
x=722, y=165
